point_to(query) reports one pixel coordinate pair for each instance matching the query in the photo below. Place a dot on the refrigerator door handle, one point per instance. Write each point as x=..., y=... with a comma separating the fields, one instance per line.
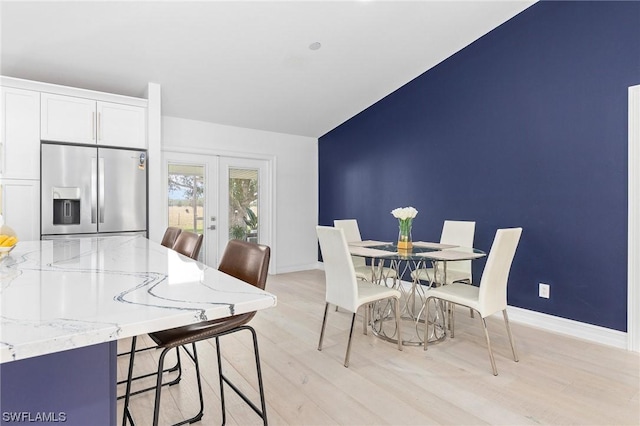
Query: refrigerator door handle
x=94, y=190
x=101, y=190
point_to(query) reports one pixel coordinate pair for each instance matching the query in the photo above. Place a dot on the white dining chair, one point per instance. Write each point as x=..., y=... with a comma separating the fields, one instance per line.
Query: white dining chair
x=343, y=289
x=488, y=298
x=456, y=233
x=362, y=270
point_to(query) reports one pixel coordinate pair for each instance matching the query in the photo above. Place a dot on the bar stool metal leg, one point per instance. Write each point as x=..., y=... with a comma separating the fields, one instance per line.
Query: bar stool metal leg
x=262, y=412
x=177, y=366
x=156, y=410
x=126, y=414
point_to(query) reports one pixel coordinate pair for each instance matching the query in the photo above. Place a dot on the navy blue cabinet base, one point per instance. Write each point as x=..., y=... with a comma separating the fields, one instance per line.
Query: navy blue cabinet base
x=74, y=387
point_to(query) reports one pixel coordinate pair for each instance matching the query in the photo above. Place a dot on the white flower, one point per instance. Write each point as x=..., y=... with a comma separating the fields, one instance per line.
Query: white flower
x=404, y=213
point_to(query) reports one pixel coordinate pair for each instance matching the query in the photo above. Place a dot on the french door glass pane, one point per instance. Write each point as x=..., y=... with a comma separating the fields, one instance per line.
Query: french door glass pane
x=243, y=204
x=186, y=198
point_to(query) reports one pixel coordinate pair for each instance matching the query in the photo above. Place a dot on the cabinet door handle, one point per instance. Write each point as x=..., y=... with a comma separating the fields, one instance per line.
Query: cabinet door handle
x=93, y=126
x=99, y=127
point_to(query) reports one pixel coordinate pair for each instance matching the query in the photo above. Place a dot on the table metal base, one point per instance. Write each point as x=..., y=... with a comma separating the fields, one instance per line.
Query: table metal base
x=412, y=327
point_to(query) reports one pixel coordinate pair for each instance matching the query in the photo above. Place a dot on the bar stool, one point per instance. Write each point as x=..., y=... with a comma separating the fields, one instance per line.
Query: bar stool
x=248, y=262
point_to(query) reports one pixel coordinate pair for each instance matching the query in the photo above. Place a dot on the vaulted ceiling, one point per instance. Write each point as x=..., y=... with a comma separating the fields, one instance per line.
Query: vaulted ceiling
x=244, y=63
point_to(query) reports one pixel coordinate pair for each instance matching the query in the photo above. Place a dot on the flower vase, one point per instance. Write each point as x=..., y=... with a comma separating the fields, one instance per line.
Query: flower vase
x=405, y=241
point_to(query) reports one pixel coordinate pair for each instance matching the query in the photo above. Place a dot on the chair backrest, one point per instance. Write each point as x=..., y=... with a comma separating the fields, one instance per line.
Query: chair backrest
x=350, y=228
x=188, y=244
x=351, y=233
x=246, y=261
x=170, y=235
x=341, y=282
x=459, y=233
x=493, y=284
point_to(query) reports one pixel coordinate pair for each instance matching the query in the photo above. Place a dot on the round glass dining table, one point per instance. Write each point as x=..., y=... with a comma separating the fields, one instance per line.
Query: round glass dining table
x=413, y=290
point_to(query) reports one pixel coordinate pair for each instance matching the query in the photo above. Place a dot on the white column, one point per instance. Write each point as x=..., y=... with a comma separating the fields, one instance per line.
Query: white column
x=157, y=207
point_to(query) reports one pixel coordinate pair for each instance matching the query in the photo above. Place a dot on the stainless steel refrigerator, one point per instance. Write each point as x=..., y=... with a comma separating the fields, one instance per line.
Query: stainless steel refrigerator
x=92, y=190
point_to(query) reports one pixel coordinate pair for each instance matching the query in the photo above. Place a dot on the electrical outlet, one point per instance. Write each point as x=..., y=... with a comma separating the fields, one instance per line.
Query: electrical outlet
x=543, y=290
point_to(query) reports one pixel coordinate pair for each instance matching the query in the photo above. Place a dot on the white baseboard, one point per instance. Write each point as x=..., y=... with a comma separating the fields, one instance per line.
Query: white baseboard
x=580, y=330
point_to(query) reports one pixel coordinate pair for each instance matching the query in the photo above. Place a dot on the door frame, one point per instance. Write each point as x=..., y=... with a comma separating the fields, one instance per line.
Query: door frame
x=633, y=264
x=271, y=174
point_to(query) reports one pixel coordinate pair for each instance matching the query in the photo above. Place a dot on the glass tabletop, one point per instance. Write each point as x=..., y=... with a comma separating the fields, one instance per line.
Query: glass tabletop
x=428, y=251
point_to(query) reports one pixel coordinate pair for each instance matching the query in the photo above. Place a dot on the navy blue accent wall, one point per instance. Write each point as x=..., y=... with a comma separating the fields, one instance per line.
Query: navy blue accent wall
x=525, y=127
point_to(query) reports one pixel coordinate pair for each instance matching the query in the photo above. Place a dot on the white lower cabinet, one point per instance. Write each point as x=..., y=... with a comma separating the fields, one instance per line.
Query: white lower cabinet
x=20, y=206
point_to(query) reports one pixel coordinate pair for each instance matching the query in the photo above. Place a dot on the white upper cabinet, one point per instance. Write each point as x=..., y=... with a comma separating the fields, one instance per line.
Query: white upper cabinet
x=80, y=120
x=121, y=125
x=68, y=119
x=20, y=134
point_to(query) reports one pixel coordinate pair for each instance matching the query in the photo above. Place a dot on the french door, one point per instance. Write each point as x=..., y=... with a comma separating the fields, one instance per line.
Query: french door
x=222, y=198
x=245, y=203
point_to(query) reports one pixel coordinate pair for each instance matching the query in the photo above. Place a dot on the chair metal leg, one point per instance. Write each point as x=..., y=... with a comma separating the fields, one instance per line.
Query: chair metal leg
x=156, y=409
x=426, y=323
x=177, y=366
x=262, y=412
x=452, y=319
x=513, y=343
x=263, y=402
x=398, y=334
x=324, y=323
x=221, y=381
x=156, y=406
x=148, y=348
x=126, y=414
x=486, y=334
x=365, y=319
x=194, y=358
x=346, y=358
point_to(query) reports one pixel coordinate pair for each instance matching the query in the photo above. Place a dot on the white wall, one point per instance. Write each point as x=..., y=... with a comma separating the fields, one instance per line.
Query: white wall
x=296, y=179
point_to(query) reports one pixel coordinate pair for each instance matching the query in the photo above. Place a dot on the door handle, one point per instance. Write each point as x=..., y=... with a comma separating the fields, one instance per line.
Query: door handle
x=212, y=227
x=94, y=190
x=101, y=190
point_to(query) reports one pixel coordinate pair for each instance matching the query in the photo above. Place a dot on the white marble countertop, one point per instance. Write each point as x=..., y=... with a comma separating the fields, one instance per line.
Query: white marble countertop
x=63, y=294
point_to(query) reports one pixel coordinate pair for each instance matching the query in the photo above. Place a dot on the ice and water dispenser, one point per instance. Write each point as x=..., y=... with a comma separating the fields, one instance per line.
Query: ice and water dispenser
x=66, y=206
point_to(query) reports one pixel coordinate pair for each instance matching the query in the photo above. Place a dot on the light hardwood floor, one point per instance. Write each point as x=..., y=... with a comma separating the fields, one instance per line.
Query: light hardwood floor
x=558, y=381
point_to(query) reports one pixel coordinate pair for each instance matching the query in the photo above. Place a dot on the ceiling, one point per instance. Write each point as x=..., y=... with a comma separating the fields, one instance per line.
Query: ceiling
x=241, y=63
